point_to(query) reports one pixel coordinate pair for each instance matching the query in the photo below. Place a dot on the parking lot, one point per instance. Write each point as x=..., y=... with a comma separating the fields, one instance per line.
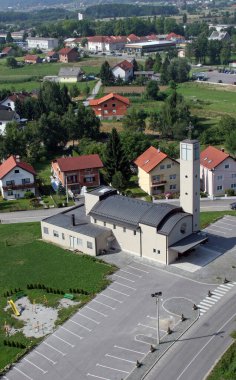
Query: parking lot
x=106, y=337
x=215, y=76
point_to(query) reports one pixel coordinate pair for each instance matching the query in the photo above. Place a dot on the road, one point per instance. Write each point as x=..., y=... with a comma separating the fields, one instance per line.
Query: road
x=38, y=215
x=193, y=356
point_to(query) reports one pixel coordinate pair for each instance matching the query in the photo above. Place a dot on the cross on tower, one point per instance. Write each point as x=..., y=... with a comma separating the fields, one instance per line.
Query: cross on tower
x=190, y=129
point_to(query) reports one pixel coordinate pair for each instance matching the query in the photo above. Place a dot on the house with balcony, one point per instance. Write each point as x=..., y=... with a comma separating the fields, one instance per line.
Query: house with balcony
x=16, y=178
x=217, y=171
x=75, y=172
x=111, y=106
x=157, y=172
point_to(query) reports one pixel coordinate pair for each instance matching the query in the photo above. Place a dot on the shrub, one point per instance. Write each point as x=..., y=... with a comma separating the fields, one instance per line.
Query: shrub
x=28, y=195
x=230, y=192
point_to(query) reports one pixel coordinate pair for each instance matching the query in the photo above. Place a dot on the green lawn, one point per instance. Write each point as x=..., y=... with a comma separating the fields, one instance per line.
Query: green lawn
x=15, y=205
x=209, y=217
x=225, y=369
x=27, y=260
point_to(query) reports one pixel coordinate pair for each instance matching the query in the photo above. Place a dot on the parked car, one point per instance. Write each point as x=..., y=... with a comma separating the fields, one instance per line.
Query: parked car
x=233, y=206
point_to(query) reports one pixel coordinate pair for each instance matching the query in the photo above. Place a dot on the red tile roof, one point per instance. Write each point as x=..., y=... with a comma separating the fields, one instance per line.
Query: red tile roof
x=95, y=102
x=31, y=57
x=7, y=49
x=66, y=50
x=89, y=161
x=212, y=157
x=12, y=163
x=19, y=96
x=150, y=159
x=125, y=65
x=133, y=38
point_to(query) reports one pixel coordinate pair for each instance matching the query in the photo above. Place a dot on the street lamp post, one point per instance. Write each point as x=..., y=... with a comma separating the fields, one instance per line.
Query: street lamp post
x=157, y=295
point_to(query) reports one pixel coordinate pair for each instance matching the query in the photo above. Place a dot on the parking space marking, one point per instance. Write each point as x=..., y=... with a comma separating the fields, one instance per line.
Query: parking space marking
x=99, y=312
x=111, y=298
x=150, y=327
x=117, y=291
x=98, y=377
x=128, y=349
x=136, y=275
x=113, y=369
x=24, y=374
x=76, y=323
x=224, y=228
x=126, y=286
x=116, y=357
x=141, y=270
x=72, y=333
x=69, y=344
x=49, y=345
x=34, y=365
x=45, y=357
x=109, y=307
x=211, y=229
x=90, y=319
x=127, y=279
x=142, y=341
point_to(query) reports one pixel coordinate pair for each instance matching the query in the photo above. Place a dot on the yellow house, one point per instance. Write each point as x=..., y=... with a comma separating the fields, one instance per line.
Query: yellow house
x=157, y=173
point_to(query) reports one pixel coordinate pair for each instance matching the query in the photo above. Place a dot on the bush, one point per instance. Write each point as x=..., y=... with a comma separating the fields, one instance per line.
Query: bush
x=203, y=195
x=29, y=195
x=230, y=192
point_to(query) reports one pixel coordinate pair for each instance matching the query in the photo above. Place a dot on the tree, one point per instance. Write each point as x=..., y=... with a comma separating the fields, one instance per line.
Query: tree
x=230, y=143
x=74, y=91
x=225, y=53
x=118, y=181
x=51, y=131
x=11, y=62
x=9, y=38
x=13, y=142
x=70, y=123
x=88, y=123
x=178, y=70
x=184, y=18
x=84, y=42
x=164, y=71
x=152, y=90
x=154, y=121
x=157, y=63
x=115, y=159
x=106, y=74
x=134, y=120
x=149, y=63
x=134, y=143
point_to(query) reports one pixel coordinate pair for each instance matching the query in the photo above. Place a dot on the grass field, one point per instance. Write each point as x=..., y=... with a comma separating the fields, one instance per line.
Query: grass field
x=27, y=260
x=207, y=218
x=225, y=369
x=15, y=205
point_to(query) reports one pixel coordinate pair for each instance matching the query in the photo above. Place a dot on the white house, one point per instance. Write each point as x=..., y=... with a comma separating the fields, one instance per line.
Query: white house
x=16, y=177
x=123, y=70
x=217, y=171
x=42, y=43
x=7, y=116
x=11, y=99
x=70, y=74
x=108, y=221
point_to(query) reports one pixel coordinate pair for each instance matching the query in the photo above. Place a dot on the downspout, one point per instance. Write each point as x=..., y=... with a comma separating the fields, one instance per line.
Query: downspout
x=167, y=261
x=140, y=240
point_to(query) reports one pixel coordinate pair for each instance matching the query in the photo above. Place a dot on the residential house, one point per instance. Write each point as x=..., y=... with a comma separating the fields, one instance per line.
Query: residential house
x=109, y=222
x=157, y=173
x=32, y=59
x=219, y=36
x=150, y=74
x=7, y=116
x=110, y=106
x=123, y=70
x=175, y=37
x=67, y=55
x=11, y=99
x=52, y=56
x=75, y=172
x=42, y=43
x=16, y=178
x=8, y=51
x=217, y=171
x=70, y=74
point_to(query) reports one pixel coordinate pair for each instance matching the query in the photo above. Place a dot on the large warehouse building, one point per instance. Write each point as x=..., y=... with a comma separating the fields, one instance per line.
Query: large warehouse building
x=150, y=46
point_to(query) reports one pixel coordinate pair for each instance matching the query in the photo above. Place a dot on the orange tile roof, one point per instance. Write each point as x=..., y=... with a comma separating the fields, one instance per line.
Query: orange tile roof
x=66, y=50
x=29, y=57
x=212, y=157
x=12, y=163
x=125, y=65
x=95, y=102
x=150, y=159
x=89, y=161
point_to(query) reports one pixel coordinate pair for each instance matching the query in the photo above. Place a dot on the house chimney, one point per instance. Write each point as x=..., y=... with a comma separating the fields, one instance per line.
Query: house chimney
x=222, y=149
x=17, y=158
x=73, y=219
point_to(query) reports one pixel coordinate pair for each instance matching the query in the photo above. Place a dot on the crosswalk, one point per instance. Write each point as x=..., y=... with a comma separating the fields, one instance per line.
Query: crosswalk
x=215, y=296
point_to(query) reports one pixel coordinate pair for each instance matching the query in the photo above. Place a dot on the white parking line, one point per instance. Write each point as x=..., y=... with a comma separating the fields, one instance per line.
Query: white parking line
x=141, y=270
x=211, y=229
x=224, y=228
x=99, y=312
x=127, y=279
x=114, y=369
x=136, y=275
x=49, y=345
x=90, y=319
x=69, y=344
x=76, y=323
x=34, y=365
x=128, y=349
x=117, y=291
x=109, y=307
x=45, y=357
x=116, y=357
x=126, y=286
x=72, y=333
x=111, y=298
x=150, y=327
x=24, y=374
x=98, y=377
x=142, y=341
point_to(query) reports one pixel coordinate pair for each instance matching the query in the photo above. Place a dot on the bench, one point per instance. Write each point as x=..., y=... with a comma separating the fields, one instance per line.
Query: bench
x=68, y=296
